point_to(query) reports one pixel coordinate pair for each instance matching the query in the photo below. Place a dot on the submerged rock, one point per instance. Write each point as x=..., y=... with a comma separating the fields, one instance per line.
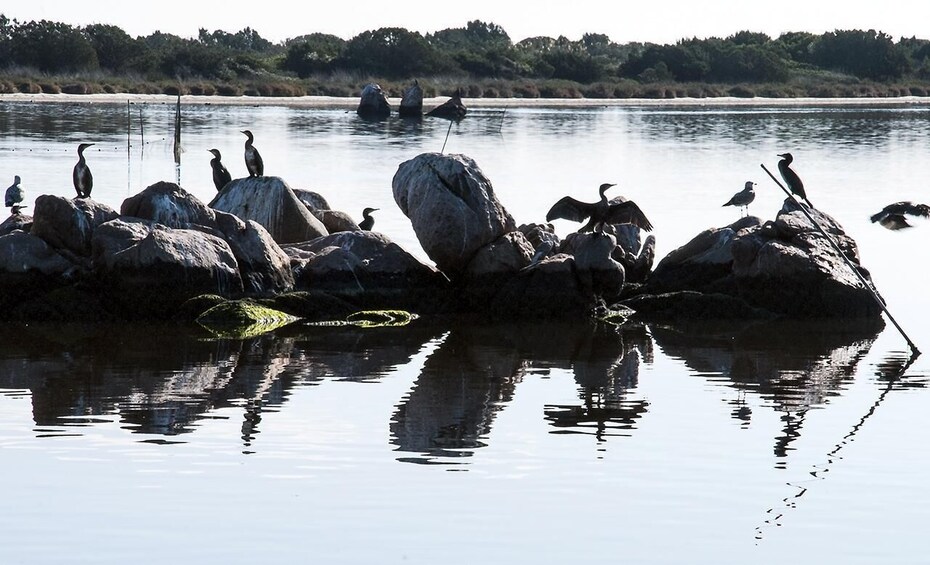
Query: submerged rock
x=241, y=319
x=452, y=109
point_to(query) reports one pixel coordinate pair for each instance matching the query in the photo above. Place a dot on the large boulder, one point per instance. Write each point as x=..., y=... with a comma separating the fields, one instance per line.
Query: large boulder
x=452, y=208
x=786, y=267
x=313, y=200
x=364, y=265
x=270, y=202
x=170, y=205
x=16, y=222
x=23, y=253
x=373, y=103
x=68, y=224
x=503, y=256
x=263, y=266
x=411, y=102
x=155, y=268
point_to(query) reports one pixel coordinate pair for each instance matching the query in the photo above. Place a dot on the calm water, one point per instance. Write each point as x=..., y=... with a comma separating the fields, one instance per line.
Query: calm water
x=548, y=443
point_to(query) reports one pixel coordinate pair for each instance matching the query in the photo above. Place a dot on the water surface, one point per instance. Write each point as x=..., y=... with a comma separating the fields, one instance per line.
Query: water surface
x=544, y=443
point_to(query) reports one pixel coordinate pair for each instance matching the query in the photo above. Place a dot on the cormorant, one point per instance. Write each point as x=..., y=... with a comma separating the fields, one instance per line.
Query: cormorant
x=791, y=178
x=220, y=175
x=893, y=217
x=253, y=161
x=83, y=180
x=368, y=222
x=744, y=197
x=616, y=211
x=14, y=194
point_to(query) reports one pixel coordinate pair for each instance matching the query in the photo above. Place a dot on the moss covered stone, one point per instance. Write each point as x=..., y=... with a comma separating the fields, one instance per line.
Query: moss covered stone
x=242, y=318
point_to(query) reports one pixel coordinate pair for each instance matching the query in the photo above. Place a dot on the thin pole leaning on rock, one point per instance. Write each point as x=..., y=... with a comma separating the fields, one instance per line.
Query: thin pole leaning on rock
x=865, y=283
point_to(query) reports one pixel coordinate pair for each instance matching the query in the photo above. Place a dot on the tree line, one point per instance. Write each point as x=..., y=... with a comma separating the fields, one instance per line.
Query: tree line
x=477, y=50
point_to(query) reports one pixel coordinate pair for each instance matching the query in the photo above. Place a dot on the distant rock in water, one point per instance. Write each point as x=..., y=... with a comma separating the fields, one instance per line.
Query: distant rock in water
x=373, y=103
x=411, y=103
x=270, y=202
x=452, y=109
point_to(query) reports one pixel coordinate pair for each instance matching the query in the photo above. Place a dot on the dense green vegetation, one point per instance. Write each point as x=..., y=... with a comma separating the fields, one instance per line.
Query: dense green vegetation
x=480, y=58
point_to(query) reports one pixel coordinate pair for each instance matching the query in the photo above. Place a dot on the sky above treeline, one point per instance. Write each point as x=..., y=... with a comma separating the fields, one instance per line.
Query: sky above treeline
x=665, y=21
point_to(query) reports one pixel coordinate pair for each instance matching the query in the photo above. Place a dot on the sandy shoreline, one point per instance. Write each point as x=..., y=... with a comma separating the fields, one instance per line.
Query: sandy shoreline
x=352, y=103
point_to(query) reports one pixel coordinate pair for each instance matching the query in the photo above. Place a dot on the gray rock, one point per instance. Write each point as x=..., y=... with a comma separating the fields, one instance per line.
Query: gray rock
x=23, y=253
x=69, y=224
x=16, y=222
x=312, y=199
x=786, y=267
x=506, y=255
x=452, y=208
x=373, y=103
x=143, y=260
x=270, y=202
x=337, y=221
x=263, y=266
x=452, y=109
x=411, y=103
x=170, y=205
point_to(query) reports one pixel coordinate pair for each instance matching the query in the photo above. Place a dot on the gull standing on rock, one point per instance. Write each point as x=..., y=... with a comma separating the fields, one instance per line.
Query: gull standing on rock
x=744, y=197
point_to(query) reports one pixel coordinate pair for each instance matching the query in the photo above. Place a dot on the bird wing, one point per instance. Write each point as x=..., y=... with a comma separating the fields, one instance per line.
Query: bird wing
x=906, y=208
x=627, y=212
x=570, y=209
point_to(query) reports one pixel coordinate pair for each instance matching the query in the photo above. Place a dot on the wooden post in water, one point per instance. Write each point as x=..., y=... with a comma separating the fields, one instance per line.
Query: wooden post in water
x=141, y=131
x=177, y=140
x=865, y=283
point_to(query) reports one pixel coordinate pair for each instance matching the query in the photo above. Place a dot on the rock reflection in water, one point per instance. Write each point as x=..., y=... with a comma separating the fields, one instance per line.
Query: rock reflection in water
x=792, y=365
x=162, y=380
x=472, y=375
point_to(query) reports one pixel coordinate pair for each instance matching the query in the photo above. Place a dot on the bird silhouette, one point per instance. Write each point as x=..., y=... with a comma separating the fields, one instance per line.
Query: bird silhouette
x=616, y=211
x=220, y=175
x=253, y=161
x=369, y=221
x=893, y=216
x=744, y=197
x=83, y=180
x=791, y=178
x=14, y=194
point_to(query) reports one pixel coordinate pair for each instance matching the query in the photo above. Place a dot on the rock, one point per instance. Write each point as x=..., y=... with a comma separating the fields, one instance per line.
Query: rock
x=23, y=253
x=263, y=266
x=452, y=109
x=548, y=290
x=69, y=224
x=411, y=103
x=312, y=199
x=170, y=205
x=374, y=103
x=451, y=206
x=364, y=265
x=337, y=221
x=21, y=222
x=505, y=255
x=693, y=305
x=270, y=202
x=786, y=267
x=152, y=268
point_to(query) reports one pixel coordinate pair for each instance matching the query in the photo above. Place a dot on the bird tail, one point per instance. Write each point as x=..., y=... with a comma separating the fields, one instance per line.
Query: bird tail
x=877, y=217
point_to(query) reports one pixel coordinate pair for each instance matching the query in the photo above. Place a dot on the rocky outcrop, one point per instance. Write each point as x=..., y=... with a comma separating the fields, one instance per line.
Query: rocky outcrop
x=785, y=266
x=169, y=205
x=452, y=208
x=263, y=266
x=411, y=103
x=452, y=109
x=67, y=224
x=366, y=266
x=16, y=222
x=270, y=202
x=374, y=103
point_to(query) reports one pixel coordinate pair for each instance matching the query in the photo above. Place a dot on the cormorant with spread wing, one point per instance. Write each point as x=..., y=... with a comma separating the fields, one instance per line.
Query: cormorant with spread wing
x=615, y=211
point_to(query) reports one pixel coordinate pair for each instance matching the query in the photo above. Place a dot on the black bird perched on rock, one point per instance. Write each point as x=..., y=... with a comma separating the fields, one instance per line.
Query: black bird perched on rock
x=791, y=178
x=616, y=211
x=220, y=175
x=15, y=194
x=893, y=217
x=744, y=197
x=253, y=161
x=368, y=222
x=83, y=180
